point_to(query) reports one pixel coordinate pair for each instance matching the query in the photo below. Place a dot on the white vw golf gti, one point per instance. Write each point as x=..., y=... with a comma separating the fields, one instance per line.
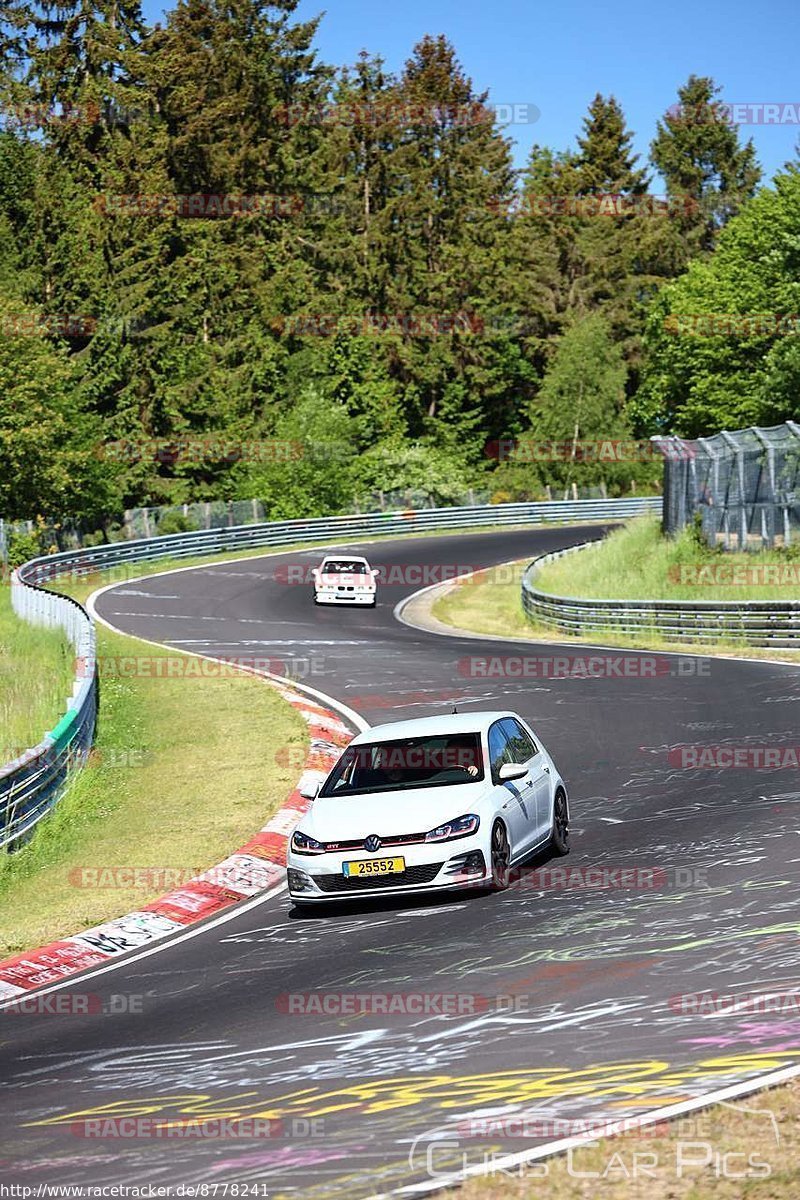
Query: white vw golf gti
x=425, y=805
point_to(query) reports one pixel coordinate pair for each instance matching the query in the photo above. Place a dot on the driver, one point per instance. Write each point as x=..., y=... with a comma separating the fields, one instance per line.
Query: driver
x=463, y=754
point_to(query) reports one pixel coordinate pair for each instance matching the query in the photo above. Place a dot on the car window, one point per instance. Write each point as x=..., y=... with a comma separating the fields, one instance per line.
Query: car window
x=343, y=566
x=499, y=749
x=439, y=760
x=520, y=742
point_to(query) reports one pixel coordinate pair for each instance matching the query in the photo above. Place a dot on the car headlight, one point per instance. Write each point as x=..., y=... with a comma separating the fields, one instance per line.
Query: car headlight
x=303, y=844
x=461, y=827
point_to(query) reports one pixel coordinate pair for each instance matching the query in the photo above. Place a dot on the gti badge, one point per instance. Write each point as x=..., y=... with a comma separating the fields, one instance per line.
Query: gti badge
x=372, y=843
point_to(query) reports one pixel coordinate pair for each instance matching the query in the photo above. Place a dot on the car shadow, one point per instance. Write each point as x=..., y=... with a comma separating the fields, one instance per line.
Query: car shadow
x=384, y=904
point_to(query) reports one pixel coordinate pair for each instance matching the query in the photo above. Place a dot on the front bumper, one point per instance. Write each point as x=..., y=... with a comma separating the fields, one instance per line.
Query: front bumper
x=332, y=596
x=430, y=867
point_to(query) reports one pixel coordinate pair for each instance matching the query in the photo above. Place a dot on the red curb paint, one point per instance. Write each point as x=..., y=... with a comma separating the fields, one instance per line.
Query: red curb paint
x=212, y=892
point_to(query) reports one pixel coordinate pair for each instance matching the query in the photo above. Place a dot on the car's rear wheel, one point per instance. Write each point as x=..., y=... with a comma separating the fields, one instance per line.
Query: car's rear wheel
x=501, y=857
x=559, y=838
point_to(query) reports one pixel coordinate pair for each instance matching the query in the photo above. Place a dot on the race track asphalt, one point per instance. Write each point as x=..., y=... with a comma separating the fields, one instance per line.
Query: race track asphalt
x=575, y=1001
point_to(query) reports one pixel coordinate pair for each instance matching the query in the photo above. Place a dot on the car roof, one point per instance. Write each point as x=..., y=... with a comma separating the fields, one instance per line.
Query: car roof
x=474, y=722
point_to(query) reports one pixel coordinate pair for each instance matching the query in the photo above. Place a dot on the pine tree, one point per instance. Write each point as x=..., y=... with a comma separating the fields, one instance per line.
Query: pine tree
x=78, y=56
x=592, y=239
x=447, y=251
x=203, y=293
x=605, y=161
x=708, y=173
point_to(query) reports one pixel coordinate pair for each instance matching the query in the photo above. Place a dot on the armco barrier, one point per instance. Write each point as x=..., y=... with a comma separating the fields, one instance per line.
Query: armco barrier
x=756, y=622
x=321, y=529
x=31, y=784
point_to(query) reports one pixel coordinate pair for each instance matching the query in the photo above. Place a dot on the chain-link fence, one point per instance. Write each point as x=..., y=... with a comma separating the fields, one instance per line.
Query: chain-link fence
x=745, y=485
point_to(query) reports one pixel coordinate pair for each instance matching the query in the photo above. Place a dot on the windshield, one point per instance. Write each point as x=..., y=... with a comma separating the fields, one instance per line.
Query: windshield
x=343, y=566
x=438, y=761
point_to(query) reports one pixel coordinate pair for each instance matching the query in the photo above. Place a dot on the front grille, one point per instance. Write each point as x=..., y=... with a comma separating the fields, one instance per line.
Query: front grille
x=360, y=883
x=401, y=839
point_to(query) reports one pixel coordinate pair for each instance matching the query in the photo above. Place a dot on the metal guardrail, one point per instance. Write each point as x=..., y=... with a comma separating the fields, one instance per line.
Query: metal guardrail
x=30, y=785
x=756, y=622
x=321, y=529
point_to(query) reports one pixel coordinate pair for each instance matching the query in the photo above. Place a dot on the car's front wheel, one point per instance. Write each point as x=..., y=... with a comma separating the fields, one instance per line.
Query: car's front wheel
x=501, y=857
x=559, y=837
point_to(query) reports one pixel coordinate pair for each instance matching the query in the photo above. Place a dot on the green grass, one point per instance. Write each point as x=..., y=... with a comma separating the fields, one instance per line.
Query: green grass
x=638, y=563
x=490, y=602
x=185, y=772
x=753, y=1152
x=486, y=602
x=37, y=667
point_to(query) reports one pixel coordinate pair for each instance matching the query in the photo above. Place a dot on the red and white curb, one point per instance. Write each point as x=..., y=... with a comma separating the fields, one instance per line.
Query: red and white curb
x=257, y=865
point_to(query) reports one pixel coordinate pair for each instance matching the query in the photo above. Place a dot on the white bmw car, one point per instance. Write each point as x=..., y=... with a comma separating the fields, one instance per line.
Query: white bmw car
x=419, y=806
x=345, y=579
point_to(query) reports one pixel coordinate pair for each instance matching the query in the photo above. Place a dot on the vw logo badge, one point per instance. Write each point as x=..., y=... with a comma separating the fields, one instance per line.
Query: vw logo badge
x=372, y=843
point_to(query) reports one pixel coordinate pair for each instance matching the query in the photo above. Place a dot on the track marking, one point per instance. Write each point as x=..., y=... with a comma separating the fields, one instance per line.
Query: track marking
x=550, y=1149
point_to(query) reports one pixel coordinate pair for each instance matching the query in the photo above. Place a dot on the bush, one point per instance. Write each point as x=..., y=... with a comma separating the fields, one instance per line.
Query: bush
x=22, y=547
x=418, y=467
x=176, y=522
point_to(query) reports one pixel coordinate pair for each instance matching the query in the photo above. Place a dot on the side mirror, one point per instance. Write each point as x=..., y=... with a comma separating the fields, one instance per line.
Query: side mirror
x=310, y=791
x=510, y=771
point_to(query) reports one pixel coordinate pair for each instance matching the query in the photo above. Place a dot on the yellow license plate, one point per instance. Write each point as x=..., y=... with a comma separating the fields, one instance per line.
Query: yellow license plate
x=375, y=866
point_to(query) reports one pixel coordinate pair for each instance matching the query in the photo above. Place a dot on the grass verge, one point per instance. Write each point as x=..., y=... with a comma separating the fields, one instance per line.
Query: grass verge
x=638, y=563
x=37, y=667
x=490, y=602
x=185, y=771
x=744, y=1150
